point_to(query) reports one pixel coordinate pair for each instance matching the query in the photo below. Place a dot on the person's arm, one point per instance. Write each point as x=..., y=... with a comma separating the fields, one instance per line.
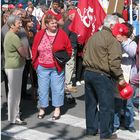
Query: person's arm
x=65, y=27
x=23, y=52
x=16, y=41
x=72, y=36
x=130, y=48
x=43, y=26
x=68, y=46
x=24, y=40
x=61, y=22
x=114, y=60
x=34, y=52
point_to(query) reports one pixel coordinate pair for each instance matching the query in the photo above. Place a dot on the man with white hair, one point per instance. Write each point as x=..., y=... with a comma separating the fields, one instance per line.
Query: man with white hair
x=102, y=61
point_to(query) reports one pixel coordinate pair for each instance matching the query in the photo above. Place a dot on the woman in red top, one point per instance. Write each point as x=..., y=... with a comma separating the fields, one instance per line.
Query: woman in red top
x=50, y=73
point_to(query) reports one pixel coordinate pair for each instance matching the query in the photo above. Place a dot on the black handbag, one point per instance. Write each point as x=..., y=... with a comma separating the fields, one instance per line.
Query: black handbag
x=62, y=57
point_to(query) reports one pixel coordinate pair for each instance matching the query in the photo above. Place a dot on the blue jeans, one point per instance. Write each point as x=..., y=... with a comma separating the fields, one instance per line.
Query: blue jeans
x=135, y=98
x=129, y=113
x=99, y=90
x=50, y=78
x=127, y=105
x=118, y=108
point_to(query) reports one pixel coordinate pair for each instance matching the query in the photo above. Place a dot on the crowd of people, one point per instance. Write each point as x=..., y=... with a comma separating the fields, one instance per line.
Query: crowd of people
x=32, y=37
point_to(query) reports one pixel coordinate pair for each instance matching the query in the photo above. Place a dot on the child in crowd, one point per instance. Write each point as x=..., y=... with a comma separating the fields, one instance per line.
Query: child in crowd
x=123, y=33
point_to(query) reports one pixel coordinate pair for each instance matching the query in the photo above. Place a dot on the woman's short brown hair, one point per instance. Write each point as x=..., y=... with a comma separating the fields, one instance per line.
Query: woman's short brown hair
x=49, y=18
x=26, y=20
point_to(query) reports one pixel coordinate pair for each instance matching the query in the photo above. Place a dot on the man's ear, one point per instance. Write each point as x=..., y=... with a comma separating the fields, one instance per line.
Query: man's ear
x=111, y=26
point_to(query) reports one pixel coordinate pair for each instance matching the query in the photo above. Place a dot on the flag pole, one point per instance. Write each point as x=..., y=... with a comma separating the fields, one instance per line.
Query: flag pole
x=115, y=9
x=130, y=11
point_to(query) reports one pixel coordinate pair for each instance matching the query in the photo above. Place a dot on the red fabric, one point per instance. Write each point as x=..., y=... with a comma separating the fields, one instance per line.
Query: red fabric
x=11, y=6
x=120, y=29
x=126, y=2
x=58, y=16
x=62, y=42
x=38, y=26
x=89, y=17
x=72, y=11
x=125, y=14
x=20, y=5
x=126, y=92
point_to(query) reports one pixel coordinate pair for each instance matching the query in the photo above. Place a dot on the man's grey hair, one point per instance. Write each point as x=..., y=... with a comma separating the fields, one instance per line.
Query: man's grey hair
x=110, y=20
x=12, y=19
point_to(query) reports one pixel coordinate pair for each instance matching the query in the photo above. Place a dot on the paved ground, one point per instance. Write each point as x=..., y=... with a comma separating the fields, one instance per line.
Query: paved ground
x=71, y=125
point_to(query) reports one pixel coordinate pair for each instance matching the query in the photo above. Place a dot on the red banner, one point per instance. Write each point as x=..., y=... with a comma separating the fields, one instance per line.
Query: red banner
x=89, y=17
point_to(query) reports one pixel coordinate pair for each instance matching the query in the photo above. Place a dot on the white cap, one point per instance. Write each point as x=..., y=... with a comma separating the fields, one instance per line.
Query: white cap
x=5, y=6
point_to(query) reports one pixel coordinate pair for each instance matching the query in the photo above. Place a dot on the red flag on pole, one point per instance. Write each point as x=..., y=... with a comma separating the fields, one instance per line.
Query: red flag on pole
x=89, y=17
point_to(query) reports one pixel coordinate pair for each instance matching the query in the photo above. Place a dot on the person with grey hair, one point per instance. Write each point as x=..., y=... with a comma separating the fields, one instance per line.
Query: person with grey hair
x=11, y=21
x=15, y=55
x=23, y=37
x=102, y=62
x=5, y=27
x=110, y=20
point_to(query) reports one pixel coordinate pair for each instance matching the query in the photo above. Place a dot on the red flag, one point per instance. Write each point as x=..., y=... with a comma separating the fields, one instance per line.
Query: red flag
x=89, y=17
x=125, y=10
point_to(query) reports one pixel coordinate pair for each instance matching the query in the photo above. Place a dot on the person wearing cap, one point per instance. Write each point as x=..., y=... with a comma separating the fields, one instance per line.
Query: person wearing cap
x=71, y=64
x=102, y=61
x=4, y=8
x=11, y=6
x=129, y=47
x=54, y=10
x=20, y=6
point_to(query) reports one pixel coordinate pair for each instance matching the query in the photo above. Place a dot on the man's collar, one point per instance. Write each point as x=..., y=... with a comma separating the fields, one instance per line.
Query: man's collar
x=106, y=28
